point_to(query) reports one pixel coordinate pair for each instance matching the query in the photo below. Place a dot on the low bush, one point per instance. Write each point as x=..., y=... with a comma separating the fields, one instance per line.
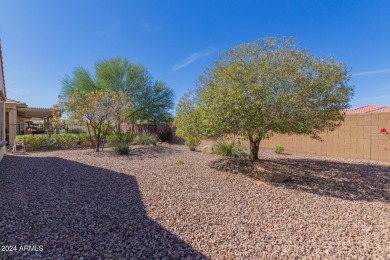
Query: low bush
x=192, y=142
x=146, y=139
x=37, y=142
x=60, y=141
x=65, y=141
x=279, y=149
x=121, y=148
x=120, y=138
x=229, y=149
x=84, y=140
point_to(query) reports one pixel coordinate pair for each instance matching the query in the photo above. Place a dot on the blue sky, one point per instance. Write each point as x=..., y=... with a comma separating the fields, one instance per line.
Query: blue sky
x=44, y=40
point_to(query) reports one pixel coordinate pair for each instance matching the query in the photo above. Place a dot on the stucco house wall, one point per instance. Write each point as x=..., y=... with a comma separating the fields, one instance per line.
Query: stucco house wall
x=2, y=107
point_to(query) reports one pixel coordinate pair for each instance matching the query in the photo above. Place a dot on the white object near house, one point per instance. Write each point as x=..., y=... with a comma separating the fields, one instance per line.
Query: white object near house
x=18, y=142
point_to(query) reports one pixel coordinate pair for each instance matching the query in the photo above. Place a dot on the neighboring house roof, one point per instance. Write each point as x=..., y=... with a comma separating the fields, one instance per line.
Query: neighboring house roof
x=383, y=109
x=28, y=112
x=2, y=70
x=13, y=102
x=367, y=109
x=34, y=112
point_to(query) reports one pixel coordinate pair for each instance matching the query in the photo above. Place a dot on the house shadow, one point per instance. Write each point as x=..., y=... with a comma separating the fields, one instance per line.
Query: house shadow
x=349, y=181
x=63, y=209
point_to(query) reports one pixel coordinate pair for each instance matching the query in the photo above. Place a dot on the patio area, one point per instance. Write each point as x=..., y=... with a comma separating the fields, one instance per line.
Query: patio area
x=21, y=120
x=169, y=202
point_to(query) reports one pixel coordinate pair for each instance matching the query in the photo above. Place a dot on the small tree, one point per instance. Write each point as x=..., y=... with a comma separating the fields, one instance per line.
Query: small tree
x=264, y=87
x=56, y=121
x=187, y=118
x=98, y=109
x=150, y=100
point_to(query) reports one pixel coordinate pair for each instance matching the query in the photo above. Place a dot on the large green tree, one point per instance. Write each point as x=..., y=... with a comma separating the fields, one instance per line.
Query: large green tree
x=150, y=100
x=264, y=87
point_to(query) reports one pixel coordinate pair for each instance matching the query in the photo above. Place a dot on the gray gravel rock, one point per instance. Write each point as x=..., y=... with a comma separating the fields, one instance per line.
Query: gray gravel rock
x=81, y=204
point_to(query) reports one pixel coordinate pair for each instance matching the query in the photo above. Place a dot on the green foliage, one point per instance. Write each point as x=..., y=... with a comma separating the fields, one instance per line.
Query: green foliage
x=98, y=109
x=229, y=149
x=65, y=141
x=120, y=138
x=279, y=149
x=187, y=117
x=150, y=100
x=36, y=142
x=146, y=139
x=121, y=148
x=192, y=141
x=180, y=162
x=84, y=140
x=264, y=87
x=59, y=141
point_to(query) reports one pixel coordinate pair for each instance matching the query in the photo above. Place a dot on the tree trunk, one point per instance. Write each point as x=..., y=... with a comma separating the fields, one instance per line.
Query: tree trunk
x=90, y=136
x=117, y=128
x=97, y=146
x=254, y=148
x=98, y=142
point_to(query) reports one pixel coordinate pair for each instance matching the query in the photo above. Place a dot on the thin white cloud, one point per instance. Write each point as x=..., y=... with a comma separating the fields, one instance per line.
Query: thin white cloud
x=193, y=57
x=147, y=25
x=110, y=31
x=371, y=72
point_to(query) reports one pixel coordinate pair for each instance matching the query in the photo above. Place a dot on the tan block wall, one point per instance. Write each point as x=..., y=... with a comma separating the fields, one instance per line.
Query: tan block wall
x=357, y=138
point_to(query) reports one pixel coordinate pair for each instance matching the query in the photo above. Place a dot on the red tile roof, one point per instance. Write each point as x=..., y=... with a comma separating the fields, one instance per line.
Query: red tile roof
x=383, y=109
x=367, y=109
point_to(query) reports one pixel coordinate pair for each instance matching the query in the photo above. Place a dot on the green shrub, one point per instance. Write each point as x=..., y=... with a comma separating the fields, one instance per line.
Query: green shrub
x=121, y=148
x=65, y=141
x=192, y=142
x=120, y=138
x=279, y=149
x=36, y=142
x=230, y=149
x=61, y=141
x=84, y=140
x=146, y=139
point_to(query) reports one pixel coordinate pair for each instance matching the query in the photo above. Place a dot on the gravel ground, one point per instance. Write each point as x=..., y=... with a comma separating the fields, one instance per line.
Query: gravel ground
x=167, y=202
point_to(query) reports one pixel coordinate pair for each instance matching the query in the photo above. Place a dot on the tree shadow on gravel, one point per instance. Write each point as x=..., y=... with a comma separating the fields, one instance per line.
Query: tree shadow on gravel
x=326, y=178
x=75, y=210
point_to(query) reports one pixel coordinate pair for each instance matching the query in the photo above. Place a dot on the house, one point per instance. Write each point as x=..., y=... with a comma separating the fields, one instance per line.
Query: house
x=2, y=107
x=21, y=119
